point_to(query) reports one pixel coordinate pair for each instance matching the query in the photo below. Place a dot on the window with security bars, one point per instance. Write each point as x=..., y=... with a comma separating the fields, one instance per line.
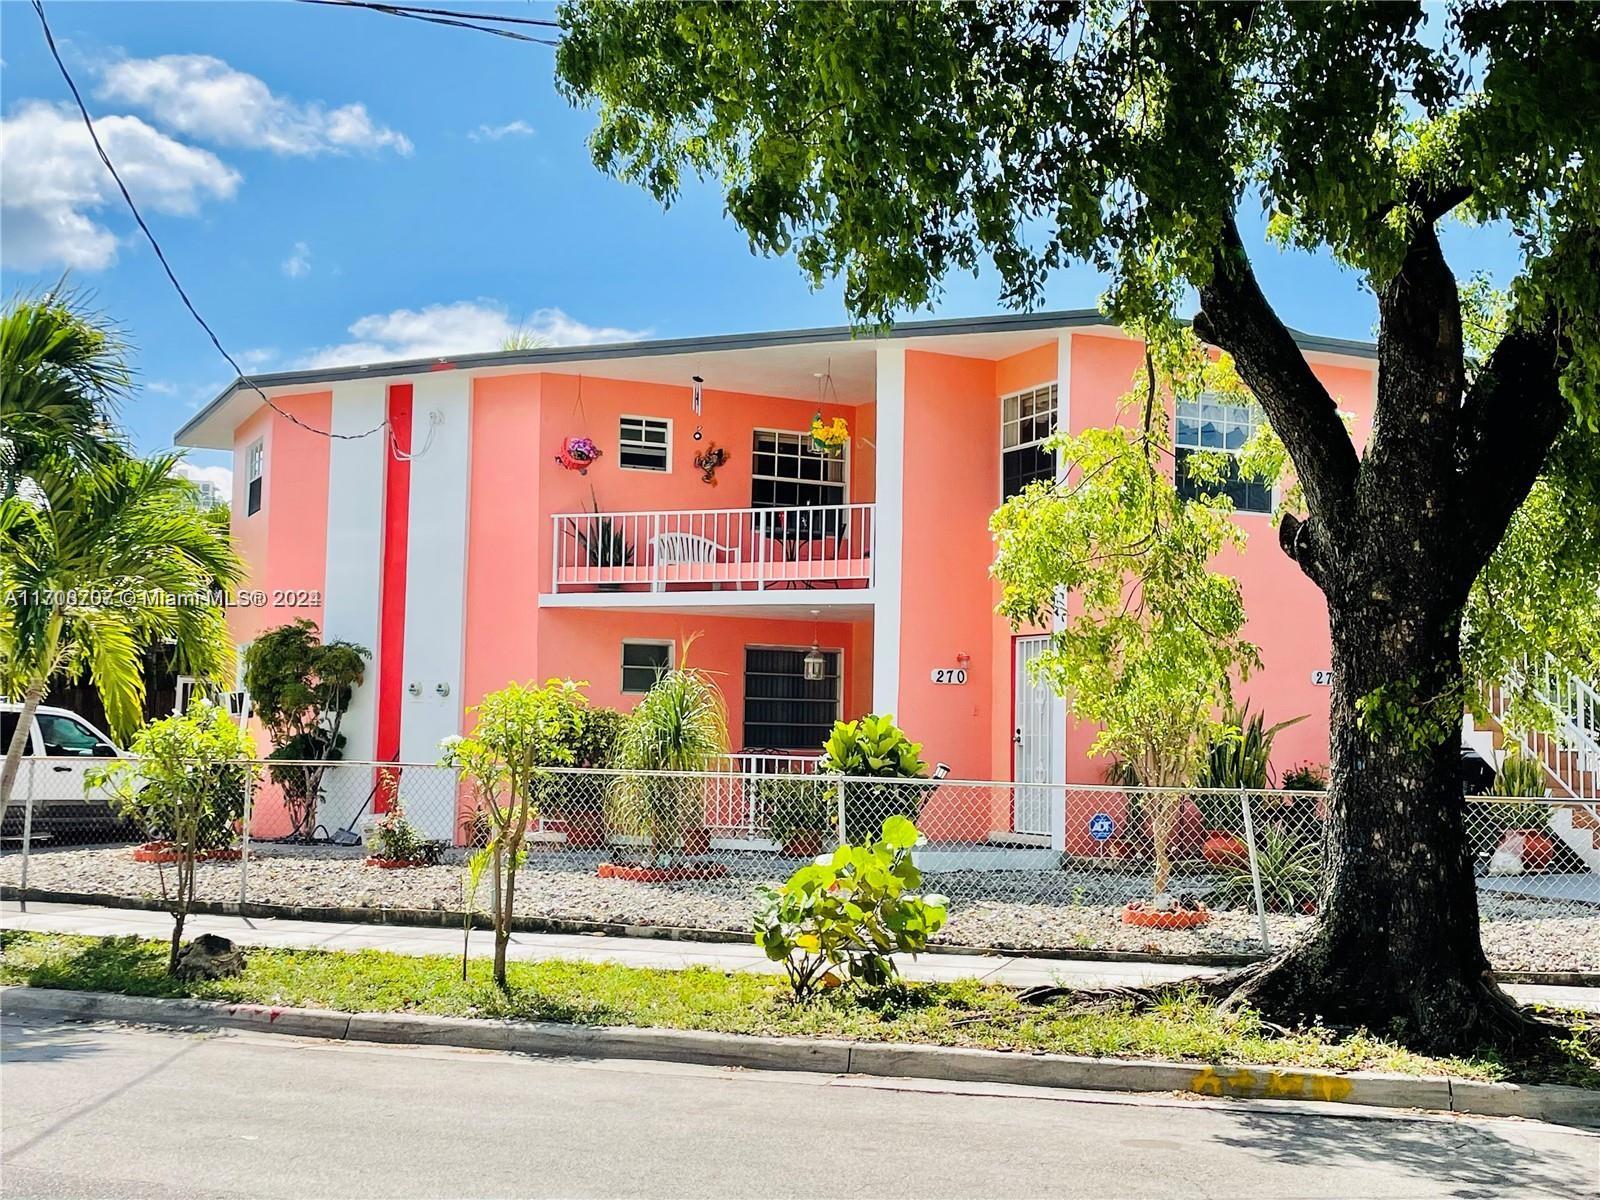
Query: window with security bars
x=644, y=444
x=783, y=710
x=1027, y=419
x=1215, y=424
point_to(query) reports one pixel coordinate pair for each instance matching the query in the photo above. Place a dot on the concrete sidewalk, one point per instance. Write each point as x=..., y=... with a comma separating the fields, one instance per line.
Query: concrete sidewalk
x=1013, y=971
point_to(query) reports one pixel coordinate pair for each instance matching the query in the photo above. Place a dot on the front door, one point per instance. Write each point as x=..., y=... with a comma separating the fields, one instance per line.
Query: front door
x=1032, y=740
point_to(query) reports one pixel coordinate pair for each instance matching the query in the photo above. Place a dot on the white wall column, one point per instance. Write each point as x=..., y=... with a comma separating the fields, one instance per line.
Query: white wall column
x=436, y=583
x=889, y=527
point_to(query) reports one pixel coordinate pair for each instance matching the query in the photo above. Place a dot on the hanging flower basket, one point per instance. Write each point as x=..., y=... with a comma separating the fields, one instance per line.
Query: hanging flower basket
x=578, y=454
x=829, y=440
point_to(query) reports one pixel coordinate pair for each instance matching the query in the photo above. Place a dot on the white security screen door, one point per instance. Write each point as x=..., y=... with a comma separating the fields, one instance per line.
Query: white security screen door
x=1031, y=741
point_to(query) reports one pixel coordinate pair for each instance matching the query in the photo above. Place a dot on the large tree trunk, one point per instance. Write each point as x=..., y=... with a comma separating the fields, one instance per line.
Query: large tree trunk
x=1397, y=936
x=1395, y=538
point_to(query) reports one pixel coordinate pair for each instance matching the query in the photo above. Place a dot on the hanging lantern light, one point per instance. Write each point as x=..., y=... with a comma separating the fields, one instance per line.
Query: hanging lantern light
x=815, y=663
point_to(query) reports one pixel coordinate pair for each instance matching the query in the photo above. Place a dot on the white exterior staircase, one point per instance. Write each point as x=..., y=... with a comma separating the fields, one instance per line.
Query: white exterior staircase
x=1569, y=752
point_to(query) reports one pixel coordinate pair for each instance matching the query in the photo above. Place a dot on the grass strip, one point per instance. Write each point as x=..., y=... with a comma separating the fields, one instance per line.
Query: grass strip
x=1183, y=1028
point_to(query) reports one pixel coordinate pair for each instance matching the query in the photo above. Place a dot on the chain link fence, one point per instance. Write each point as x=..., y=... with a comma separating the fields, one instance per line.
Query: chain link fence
x=1026, y=866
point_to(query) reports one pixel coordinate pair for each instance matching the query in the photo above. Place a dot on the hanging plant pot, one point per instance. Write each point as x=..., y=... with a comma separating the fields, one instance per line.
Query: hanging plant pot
x=830, y=439
x=578, y=454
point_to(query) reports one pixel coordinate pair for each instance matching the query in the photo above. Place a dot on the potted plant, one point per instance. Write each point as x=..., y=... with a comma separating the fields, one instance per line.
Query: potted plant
x=1290, y=870
x=1306, y=777
x=1524, y=826
x=679, y=727
x=583, y=808
x=603, y=543
x=1223, y=849
x=797, y=810
x=873, y=747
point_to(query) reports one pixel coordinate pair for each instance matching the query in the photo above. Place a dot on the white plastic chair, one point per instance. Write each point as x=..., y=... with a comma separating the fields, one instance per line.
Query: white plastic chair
x=685, y=549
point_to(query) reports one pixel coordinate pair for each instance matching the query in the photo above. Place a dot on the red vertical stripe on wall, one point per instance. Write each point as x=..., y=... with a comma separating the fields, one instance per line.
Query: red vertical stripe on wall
x=392, y=602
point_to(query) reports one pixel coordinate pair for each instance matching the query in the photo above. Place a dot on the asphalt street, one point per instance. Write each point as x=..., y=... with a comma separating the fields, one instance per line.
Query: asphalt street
x=99, y=1110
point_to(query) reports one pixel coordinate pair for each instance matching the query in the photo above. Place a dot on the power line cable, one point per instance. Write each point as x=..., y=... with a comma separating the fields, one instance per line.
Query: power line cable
x=38, y=8
x=443, y=12
x=447, y=17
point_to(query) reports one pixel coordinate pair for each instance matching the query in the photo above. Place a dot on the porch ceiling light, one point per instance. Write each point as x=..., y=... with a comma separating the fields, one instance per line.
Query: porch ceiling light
x=816, y=666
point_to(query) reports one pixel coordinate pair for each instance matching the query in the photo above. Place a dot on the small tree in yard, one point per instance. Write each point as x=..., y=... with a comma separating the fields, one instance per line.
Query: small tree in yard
x=301, y=687
x=186, y=781
x=1151, y=641
x=520, y=732
x=887, y=145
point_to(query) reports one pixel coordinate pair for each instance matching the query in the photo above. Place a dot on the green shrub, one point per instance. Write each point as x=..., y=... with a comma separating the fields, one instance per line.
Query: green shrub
x=1291, y=873
x=1520, y=774
x=838, y=921
x=396, y=838
x=1306, y=777
x=873, y=747
x=795, y=804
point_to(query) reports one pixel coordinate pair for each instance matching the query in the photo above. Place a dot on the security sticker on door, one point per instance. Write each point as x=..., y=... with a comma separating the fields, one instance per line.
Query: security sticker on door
x=955, y=675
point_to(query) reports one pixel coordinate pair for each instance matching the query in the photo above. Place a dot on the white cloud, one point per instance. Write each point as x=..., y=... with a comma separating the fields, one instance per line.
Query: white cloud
x=54, y=181
x=203, y=97
x=256, y=357
x=220, y=478
x=464, y=327
x=298, y=264
x=493, y=133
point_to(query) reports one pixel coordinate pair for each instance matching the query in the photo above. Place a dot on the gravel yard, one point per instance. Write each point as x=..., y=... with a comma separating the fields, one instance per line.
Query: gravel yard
x=1079, y=911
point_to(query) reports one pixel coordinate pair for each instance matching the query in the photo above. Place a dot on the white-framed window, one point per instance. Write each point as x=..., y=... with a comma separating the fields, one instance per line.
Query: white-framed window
x=645, y=444
x=1217, y=423
x=1027, y=419
x=254, y=460
x=785, y=472
x=643, y=662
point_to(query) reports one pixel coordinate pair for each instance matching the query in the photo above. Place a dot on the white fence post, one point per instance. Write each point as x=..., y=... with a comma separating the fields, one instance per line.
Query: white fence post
x=842, y=838
x=1255, y=868
x=244, y=840
x=27, y=838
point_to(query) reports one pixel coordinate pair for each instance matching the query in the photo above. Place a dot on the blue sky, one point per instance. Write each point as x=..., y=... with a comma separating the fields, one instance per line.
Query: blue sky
x=335, y=186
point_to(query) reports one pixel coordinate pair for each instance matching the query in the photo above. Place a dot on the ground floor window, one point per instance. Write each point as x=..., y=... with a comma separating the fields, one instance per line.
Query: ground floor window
x=643, y=663
x=783, y=710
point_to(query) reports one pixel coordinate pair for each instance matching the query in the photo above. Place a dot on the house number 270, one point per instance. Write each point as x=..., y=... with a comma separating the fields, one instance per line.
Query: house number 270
x=949, y=675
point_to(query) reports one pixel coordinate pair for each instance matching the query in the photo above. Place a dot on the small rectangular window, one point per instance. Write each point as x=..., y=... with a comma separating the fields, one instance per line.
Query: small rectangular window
x=1027, y=419
x=643, y=663
x=645, y=444
x=253, y=463
x=1218, y=424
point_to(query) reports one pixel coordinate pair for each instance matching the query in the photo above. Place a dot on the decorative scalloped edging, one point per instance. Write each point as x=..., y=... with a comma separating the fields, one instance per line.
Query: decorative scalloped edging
x=1154, y=918
x=162, y=852
x=394, y=864
x=638, y=873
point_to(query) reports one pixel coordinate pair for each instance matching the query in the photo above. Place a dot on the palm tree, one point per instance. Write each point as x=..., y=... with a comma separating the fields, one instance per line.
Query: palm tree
x=63, y=372
x=681, y=724
x=96, y=564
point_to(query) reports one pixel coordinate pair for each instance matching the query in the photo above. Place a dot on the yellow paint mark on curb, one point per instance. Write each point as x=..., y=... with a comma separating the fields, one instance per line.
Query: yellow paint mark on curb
x=1280, y=1085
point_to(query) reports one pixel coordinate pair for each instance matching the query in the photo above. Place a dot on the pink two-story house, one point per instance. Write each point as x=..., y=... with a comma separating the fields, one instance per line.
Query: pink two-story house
x=453, y=543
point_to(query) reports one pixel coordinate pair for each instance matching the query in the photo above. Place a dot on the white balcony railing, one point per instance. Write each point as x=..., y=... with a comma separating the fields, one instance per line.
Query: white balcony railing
x=737, y=549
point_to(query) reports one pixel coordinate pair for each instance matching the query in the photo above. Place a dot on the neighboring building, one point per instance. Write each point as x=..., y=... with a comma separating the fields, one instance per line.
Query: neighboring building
x=470, y=557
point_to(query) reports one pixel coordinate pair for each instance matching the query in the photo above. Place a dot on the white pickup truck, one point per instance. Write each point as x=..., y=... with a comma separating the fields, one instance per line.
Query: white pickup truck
x=62, y=748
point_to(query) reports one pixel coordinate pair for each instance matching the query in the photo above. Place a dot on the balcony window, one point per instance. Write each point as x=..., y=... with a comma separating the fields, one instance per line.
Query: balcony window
x=644, y=444
x=1027, y=419
x=1218, y=425
x=785, y=472
x=783, y=710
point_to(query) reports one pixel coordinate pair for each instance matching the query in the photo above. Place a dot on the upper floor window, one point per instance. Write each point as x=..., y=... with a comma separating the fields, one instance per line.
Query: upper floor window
x=1214, y=423
x=252, y=473
x=1027, y=419
x=785, y=472
x=645, y=444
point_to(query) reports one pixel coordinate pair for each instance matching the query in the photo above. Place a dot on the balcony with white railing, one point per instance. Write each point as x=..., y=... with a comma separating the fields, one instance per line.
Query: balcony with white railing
x=751, y=555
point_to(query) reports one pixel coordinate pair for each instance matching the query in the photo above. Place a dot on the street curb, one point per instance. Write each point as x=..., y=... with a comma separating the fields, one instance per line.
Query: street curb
x=451, y=919
x=1559, y=1105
